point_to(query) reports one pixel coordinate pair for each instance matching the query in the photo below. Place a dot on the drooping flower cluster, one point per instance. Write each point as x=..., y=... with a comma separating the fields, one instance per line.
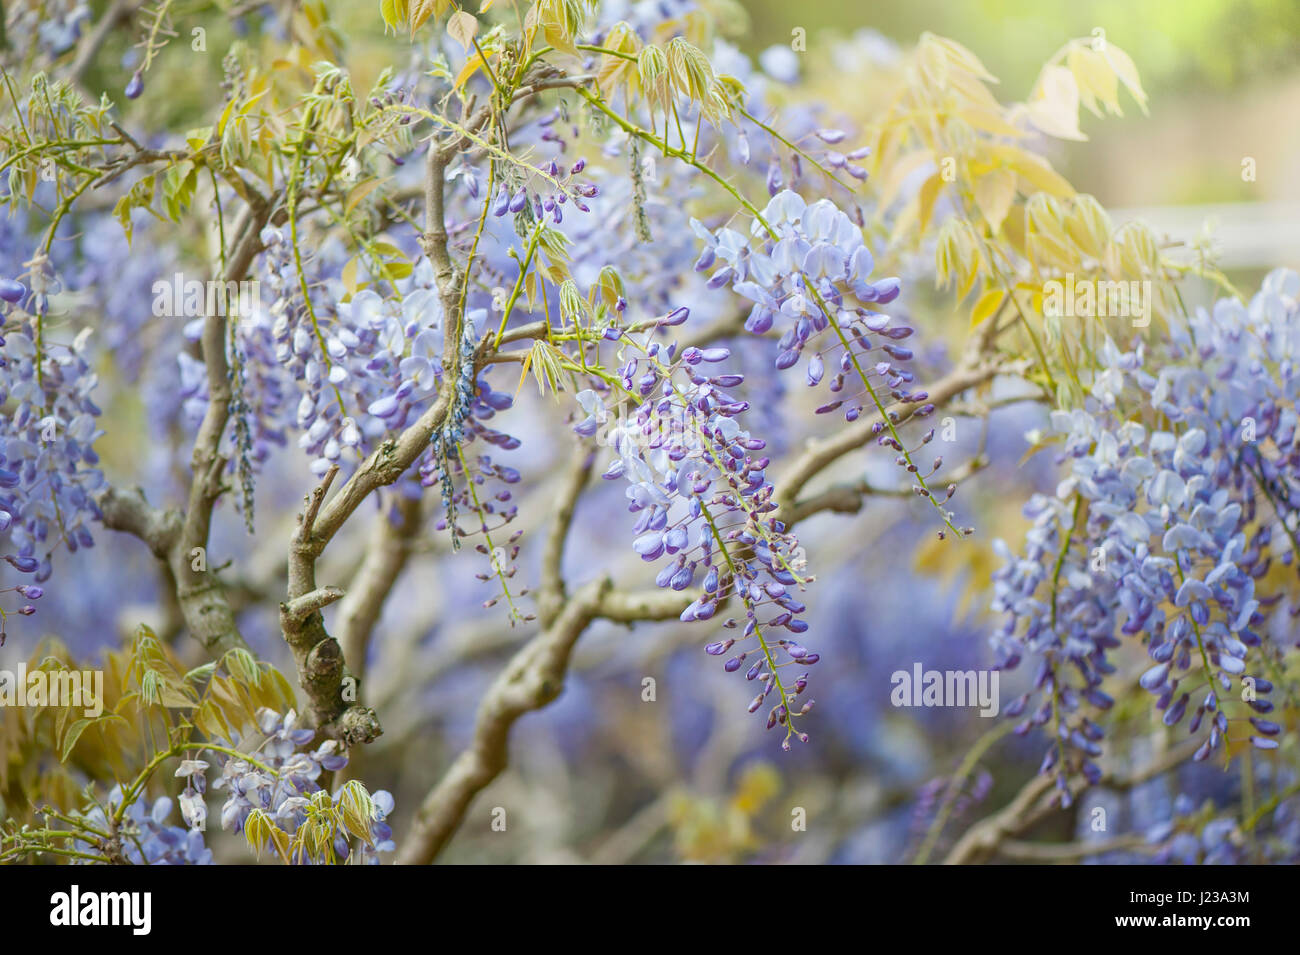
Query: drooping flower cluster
x=48, y=466
x=464, y=474
x=1189, y=838
x=361, y=367
x=542, y=198
x=343, y=375
x=803, y=273
x=143, y=835
x=55, y=26
x=699, y=486
x=945, y=798
x=806, y=267
x=1181, y=490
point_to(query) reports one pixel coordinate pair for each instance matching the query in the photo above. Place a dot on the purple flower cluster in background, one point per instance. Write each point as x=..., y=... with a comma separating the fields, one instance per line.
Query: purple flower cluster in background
x=1160, y=531
x=146, y=837
x=48, y=467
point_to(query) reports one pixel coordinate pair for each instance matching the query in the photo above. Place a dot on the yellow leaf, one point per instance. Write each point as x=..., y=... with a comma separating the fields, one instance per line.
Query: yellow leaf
x=615, y=71
x=225, y=116
x=988, y=305
x=472, y=66
x=990, y=121
x=898, y=173
x=971, y=275
x=1054, y=107
x=252, y=101
x=70, y=739
x=393, y=13
x=1123, y=66
x=281, y=840
x=929, y=557
x=421, y=12
x=523, y=373
x=349, y=276
x=994, y=194
x=757, y=784
x=1096, y=79
x=933, y=61
x=462, y=27
x=1088, y=226
x=554, y=21
x=530, y=289
x=929, y=192
x=1034, y=170
x=961, y=57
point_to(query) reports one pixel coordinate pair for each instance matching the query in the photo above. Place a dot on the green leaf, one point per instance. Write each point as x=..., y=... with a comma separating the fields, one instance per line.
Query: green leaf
x=243, y=666
x=71, y=737
x=178, y=188
x=394, y=13
x=257, y=830
x=149, y=691
x=201, y=672
x=358, y=809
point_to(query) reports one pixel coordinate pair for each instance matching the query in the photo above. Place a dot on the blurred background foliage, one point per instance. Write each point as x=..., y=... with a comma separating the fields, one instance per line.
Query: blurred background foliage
x=605, y=777
x=1185, y=46
x=1219, y=74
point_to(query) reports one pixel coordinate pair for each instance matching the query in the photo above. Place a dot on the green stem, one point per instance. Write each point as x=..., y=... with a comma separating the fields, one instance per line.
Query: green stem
x=880, y=406
x=968, y=764
x=519, y=281
x=634, y=130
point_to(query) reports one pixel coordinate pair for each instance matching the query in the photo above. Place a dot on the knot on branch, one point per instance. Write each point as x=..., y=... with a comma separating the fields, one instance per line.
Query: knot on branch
x=358, y=724
x=323, y=666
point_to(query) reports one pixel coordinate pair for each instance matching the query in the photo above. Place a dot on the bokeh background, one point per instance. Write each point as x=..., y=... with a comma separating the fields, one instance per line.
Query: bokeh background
x=605, y=775
x=1223, y=77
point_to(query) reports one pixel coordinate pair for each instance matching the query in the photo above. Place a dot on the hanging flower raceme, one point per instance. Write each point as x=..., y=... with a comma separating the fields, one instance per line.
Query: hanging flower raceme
x=544, y=198
x=146, y=837
x=467, y=477
x=806, y=270
x=49, y=471
x=697, y=482
x=1161, y=533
